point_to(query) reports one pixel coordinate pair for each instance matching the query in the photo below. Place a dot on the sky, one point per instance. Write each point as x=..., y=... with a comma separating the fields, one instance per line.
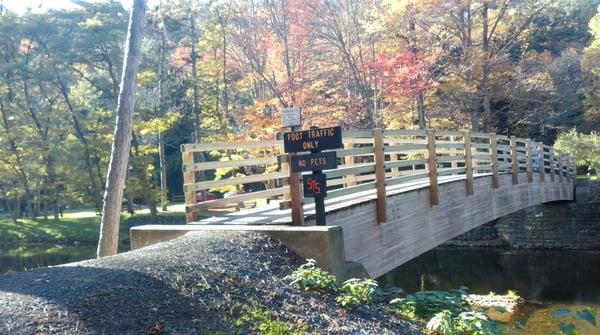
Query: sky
x=22, y=5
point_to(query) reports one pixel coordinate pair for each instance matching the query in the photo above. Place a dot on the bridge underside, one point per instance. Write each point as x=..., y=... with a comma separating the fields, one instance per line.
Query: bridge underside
x=414, y=226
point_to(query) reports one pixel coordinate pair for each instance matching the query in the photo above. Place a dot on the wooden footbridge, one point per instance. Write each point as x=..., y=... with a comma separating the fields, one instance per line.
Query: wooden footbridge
x=395, y=195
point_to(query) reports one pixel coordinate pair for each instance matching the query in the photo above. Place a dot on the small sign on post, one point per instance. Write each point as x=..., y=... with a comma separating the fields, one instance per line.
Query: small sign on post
x=314, y=162
x=291, y=117
x=314, y=140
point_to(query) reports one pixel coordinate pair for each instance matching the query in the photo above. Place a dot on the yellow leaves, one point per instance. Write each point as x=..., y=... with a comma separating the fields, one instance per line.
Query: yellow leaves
x=91, y=22
x=146, y=77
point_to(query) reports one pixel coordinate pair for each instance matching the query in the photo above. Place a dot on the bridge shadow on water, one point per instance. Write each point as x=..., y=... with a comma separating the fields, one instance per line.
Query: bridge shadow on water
x=537, y=275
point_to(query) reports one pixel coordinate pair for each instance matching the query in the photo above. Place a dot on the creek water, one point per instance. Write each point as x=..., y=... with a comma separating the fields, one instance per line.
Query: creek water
x=20, y=257
x=546, y=279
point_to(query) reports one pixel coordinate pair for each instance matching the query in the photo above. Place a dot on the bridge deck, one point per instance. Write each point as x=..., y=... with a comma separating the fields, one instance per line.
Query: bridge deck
x=272, y=215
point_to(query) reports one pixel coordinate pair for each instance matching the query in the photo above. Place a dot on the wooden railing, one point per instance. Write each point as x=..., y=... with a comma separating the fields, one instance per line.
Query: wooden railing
x=371, y=160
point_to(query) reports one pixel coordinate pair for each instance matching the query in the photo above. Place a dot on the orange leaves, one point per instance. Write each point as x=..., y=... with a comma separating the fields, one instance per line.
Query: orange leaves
x=405, y=73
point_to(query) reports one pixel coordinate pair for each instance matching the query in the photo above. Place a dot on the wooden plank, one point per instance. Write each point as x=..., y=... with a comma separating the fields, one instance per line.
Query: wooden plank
x=404, y=132
x=560, y=167
x=189, y=177
x=295, y=194
x=357, y=133
x=349, y=160
x=202, y=147
x=448, y=145
x=350, y=151
x=234, y=163
x=432, y=167
x=356, y=168
x=451, y=159
x=513, y=159
x=448, y=133
x=380, y=175
x=541, y=162
x=494, y=160
x=552, y=164
x=393, y=158
x=405, y=163
x=528, y=149
x=406, y=178
x=480, y=135
x=406, y=147
x=450, y=171
x=468, y=164
x=353, y=180
x=238, y=198
x=206, y=185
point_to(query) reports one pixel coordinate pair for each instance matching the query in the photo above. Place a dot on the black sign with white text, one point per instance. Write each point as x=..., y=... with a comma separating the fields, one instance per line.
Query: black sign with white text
x=317, y=139
x=314, y=162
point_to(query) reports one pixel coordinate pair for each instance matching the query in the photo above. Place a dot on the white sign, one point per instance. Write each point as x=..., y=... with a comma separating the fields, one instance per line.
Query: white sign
x=290, y=117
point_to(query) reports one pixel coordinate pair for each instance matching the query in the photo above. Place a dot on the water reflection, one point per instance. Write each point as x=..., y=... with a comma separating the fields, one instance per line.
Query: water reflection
x=537, y=275
x=547, y=279
x=28, y=256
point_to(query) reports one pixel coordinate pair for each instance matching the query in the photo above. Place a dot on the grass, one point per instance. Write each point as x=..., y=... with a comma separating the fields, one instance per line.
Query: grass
x=77, y=225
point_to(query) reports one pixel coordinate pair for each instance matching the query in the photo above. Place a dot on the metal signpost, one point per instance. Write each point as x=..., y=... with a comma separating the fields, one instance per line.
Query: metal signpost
x=314, y=140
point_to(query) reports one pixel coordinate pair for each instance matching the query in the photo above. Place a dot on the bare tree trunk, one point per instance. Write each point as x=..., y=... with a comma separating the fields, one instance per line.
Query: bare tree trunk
x=414, y=49
x=196, y=89
x=487, y=113
x=163, y=171
x=117, y=169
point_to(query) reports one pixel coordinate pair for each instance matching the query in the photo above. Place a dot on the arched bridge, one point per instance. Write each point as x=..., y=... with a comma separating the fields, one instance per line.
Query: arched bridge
x=396, y=195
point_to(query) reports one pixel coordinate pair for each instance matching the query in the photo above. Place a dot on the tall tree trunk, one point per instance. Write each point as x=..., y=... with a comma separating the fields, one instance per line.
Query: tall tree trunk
x=117, y=169
x=487, y=113
x=161, y=106
x=414, y=49
x=163, y=171
x=195, y=84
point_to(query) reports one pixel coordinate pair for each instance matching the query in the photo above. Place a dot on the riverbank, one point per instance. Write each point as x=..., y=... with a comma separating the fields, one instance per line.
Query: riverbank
x=205, y=283
x=78, y=226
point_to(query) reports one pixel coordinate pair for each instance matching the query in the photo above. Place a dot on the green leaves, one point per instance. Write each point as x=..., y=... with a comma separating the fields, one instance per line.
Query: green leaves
x=355, y=291
x=311, y=277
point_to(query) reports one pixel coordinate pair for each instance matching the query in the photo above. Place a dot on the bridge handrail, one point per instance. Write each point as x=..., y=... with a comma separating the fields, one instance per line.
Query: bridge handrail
x=407, y=155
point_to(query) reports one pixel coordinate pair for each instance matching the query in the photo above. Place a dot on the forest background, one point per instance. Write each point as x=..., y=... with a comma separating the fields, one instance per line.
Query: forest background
x=223, y=70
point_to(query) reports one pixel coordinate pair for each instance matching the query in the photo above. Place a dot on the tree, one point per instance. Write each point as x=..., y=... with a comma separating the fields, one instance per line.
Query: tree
x=117, y=170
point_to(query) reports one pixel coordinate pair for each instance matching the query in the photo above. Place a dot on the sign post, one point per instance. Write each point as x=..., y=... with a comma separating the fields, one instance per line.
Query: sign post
x=314, y=140
x=291, y=117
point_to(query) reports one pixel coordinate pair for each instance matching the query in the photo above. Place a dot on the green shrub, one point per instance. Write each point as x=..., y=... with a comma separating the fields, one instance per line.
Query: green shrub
x=356, y=291
x=261, y=321
x=426, y=304
x=311, y=276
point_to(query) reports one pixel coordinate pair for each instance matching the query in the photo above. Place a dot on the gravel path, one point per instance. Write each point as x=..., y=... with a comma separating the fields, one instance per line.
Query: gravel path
x=196, y=284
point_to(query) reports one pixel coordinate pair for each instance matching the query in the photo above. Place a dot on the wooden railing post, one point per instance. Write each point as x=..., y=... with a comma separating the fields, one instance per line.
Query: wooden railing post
x=560, y=167
x=514, y=161
x=189, y=177
x=293, y=199
x=528, y=152
x=453, y=151
x=552, y=169
x=349, y=160
x=432, y=167
x=380, y=175
x=540, y=147
x=468, y=163
x=494, y=158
